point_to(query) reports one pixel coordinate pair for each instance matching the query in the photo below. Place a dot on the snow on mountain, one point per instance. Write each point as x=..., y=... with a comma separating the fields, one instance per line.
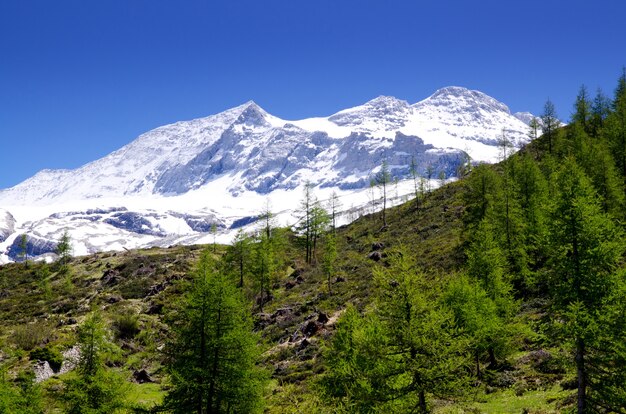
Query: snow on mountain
x=170, y=184
x=7, y=225
x=526, y=117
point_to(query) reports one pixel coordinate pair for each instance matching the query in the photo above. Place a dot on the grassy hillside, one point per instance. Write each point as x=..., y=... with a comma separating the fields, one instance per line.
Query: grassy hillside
x=137, y=293
x=41, y=305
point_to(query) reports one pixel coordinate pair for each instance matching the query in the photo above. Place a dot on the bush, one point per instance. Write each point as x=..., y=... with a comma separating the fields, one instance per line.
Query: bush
x=29, y=336
x=50, y=354
x=126, y=325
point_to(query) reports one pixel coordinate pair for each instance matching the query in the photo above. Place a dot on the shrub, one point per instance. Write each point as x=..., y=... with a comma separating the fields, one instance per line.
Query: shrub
x=50, y=354
x=126, y=324
x=29, y=336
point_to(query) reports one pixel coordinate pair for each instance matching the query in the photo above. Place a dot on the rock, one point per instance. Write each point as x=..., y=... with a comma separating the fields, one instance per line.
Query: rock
x=378, y=246
x=142, y=376
x=110, y=277
x=303, y=344
x=311, y=328
x=155, y=309
x=322, y=318
x=156, y=289
x=114, y=299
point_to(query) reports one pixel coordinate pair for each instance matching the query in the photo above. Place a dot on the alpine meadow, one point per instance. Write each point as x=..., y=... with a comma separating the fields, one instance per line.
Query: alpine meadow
x=501, y=290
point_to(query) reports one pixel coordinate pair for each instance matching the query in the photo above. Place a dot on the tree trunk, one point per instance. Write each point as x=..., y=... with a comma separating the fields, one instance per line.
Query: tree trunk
x=580, y=372
x=211, y=407
x=492, y=358
x=422, y=402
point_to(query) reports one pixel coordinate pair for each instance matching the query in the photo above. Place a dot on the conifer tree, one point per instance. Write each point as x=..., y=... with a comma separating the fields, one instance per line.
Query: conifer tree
x=334, y=204
x=600, y=109
x=64, y=248
x=23, y=254
x=582, y=109
x=95, y=388
x=483, y=189
x=616, y=128
x=531, y=194
x=585, y=249
x=549, y=124
x=264, y=267
x=395, y=358
x=383, y=179
x=238, y=255
x=212, y=354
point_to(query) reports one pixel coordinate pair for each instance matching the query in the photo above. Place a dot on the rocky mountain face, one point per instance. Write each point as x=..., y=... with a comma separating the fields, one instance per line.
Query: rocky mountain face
x=183, y=177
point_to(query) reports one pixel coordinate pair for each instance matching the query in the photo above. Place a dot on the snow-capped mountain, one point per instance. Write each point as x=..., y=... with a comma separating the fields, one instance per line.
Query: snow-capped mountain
x=171, y=183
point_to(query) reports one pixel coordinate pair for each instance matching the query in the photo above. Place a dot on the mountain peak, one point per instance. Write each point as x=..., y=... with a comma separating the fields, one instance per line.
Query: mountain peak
x=384, y=100
x=252, y=114
x=459, y=96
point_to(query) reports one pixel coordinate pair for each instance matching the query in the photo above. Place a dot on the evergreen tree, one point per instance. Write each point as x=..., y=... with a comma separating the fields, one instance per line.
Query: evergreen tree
x=64, y=249
x=313, y=223
x=420, y=334
x=212, y=354
x=477, y=316
x=238, y=255
x=600, y=109
x=395, y=358
x=214, y=233
x=334, y=204
x=616, y=128
x=264, y=267
x=585, y=249
x=582, y=109
x=22, y=396
x=23, y=254
x=549, y=124
x=382, y=179
x=94, y=388
x=483, y=188
x=531, y=194
x=357, y=366
x=534, y=126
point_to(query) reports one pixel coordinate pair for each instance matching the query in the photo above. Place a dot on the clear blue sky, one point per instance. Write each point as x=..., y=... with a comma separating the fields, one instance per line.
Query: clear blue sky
x=81, y=78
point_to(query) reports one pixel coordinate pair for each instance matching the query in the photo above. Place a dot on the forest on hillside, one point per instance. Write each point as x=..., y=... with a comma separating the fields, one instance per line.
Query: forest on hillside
x=504, y=291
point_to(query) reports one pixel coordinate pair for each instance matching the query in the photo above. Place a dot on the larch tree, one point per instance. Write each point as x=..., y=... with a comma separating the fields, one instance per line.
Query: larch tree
x=382, y=179
x=582, y=109
x=212, y=353
x=64, y=249
x=586, y=247
x=95, y=388
x=549, y=123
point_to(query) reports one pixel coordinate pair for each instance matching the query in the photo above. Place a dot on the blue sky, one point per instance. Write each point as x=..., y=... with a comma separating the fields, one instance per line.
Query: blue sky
x=81, y=78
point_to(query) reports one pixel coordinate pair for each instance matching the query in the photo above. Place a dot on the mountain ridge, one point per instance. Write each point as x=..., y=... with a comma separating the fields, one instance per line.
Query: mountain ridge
x=203, y=167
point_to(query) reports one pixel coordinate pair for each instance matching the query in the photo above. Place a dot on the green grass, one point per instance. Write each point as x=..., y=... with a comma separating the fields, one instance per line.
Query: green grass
x=147, y=395
x=502, y=402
